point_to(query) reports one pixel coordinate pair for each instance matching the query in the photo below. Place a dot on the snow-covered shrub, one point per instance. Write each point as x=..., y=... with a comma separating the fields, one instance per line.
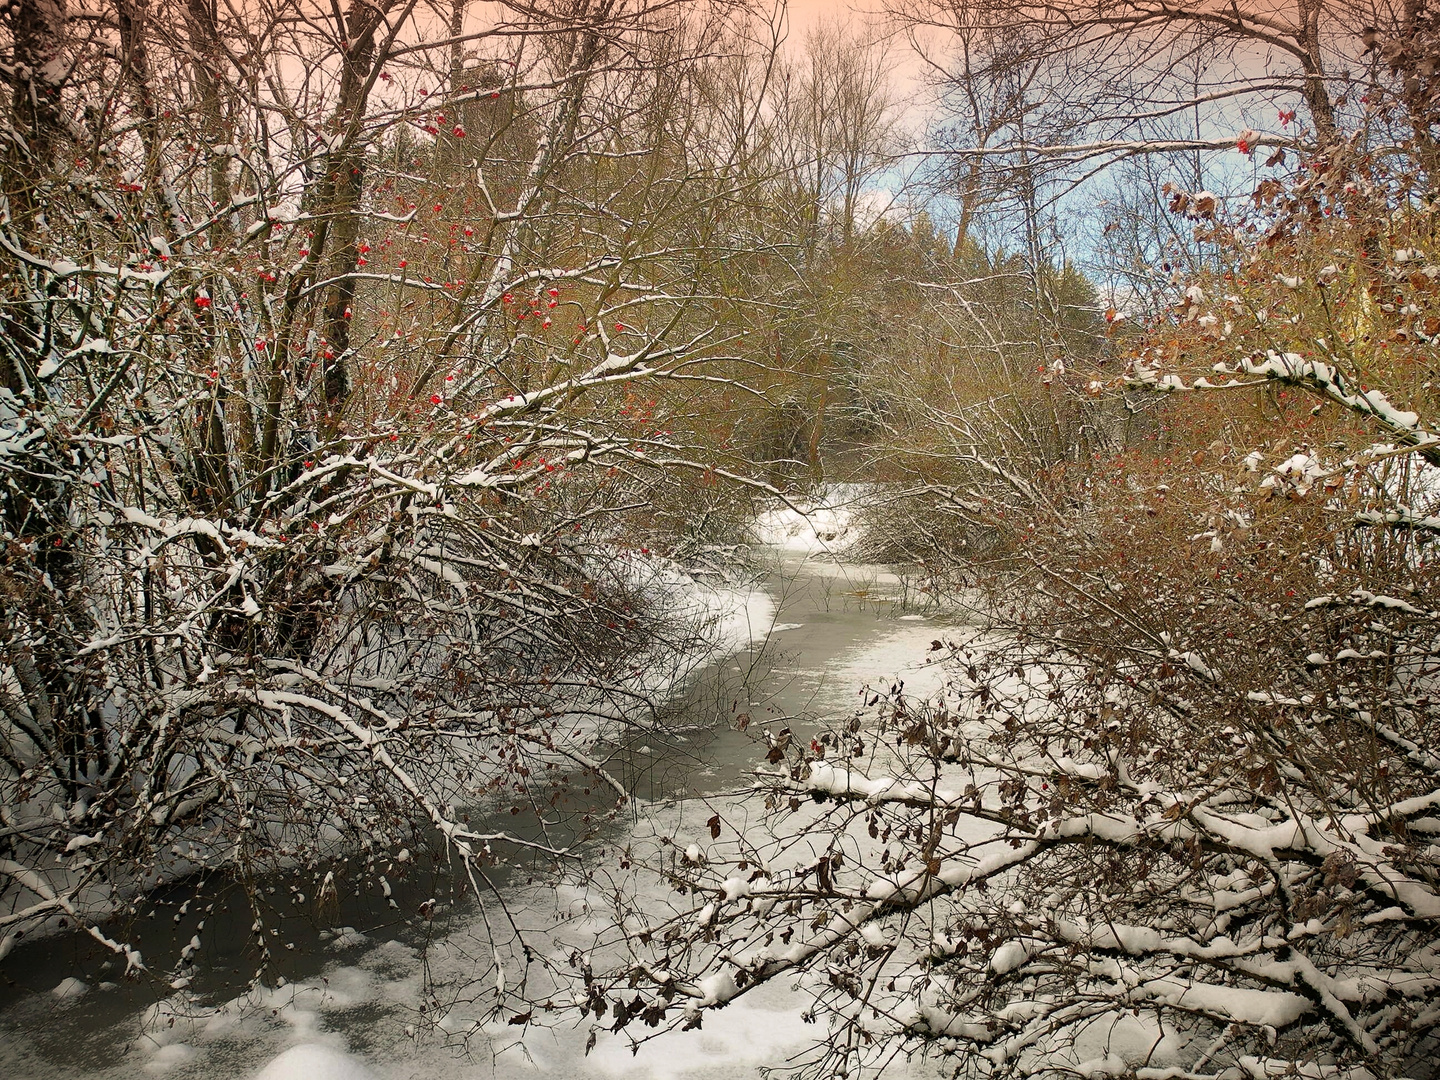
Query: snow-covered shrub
x=318, y=432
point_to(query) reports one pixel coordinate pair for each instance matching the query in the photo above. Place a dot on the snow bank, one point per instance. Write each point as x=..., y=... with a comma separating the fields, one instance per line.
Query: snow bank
x=170, y=1056
x=825, y=523
x=314, y=1062
x=70, y=989
x=735, y=618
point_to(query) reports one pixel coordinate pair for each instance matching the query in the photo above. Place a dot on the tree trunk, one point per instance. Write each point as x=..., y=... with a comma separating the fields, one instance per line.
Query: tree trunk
x=1322, y=112
x=38, y=27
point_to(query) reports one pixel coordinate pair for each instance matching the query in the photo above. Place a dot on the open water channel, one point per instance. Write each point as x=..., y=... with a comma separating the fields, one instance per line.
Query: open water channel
x=347, y=1003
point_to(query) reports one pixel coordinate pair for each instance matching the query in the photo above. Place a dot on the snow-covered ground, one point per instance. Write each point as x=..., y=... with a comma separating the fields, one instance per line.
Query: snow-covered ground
x=823, y=523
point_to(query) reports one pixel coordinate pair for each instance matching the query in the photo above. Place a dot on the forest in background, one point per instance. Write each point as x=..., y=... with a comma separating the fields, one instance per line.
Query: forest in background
x=361, y=362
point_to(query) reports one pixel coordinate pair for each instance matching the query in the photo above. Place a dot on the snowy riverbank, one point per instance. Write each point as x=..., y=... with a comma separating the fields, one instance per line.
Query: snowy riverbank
x=357, y=1013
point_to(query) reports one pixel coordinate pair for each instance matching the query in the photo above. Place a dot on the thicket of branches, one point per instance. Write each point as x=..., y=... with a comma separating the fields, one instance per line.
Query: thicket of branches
x=345, y=354
x=1173, y=812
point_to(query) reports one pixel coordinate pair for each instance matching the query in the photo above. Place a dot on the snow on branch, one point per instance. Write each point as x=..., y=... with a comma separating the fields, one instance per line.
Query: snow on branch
x=998, y=891
x=1317, y=377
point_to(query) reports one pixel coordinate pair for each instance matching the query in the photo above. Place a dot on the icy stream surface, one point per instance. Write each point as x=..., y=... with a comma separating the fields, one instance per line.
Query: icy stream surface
x=348, y=1009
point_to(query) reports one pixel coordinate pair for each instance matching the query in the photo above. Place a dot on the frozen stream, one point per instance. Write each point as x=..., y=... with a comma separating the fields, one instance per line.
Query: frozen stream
x=348, y=1008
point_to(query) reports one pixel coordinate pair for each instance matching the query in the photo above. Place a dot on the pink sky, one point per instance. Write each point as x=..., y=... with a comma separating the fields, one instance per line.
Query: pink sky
x=804, y=13
x=861, y=14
